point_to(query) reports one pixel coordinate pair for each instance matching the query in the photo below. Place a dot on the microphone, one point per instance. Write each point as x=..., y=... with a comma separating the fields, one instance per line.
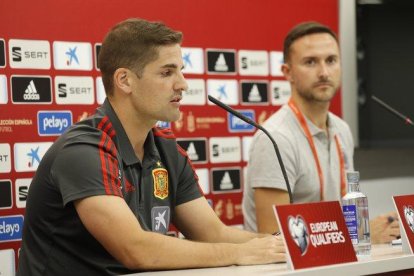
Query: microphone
x=393, y=111
x=253, y=123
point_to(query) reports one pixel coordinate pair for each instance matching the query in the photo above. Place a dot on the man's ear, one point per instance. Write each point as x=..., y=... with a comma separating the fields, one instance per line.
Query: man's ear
x=122, y=80
x=286, y=71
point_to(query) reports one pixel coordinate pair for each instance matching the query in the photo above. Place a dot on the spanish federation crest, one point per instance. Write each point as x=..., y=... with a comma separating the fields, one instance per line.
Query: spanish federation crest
x=160, y=177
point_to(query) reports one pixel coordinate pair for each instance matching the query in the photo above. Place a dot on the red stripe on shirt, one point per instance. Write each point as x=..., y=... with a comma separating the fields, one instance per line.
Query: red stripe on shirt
x=184, y=153
x=103, y=164
x=164, y=133
x=109, y=162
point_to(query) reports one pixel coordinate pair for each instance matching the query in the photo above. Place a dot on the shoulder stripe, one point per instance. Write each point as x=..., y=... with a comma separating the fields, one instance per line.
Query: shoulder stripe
x=184, y=153
x=106, y=126
x=109, y=166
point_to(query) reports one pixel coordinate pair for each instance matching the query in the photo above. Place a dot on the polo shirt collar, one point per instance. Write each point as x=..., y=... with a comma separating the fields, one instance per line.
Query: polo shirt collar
x=123, y=144
x=314, y=130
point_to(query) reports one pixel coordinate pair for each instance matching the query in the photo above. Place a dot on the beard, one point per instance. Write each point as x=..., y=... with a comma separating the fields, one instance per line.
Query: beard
x=317, y=93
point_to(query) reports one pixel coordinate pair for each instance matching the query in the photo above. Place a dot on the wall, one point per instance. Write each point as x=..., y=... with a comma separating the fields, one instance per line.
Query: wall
x=216, y=142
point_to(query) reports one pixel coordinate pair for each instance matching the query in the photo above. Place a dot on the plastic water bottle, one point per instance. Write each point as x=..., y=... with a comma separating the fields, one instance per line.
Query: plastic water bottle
x=355, y=210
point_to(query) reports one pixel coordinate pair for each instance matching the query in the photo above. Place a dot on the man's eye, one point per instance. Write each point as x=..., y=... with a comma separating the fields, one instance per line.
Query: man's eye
x=331, y=60
x=166, y=73
x=310, y=62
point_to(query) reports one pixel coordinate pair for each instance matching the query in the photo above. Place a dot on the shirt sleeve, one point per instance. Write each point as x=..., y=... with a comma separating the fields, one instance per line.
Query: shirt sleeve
x=188, y=188
x=87, y=166
x=263, y=170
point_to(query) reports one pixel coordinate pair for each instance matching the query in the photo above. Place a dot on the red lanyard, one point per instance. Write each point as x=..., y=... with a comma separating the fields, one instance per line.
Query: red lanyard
x=305, y=128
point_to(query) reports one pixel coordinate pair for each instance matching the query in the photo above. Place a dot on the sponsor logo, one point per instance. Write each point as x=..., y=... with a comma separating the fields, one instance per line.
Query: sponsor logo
x=160, y=216
x=299, y=232
x=195, y=94
x=160, y=177
x=280, y=92
x=100, y=91
x=254, y=92
x=2, y=54
x=5, y=161
x=72, y=55
x=98, y=47
x=193, y=60
x=276, y=61
x=34, y=54
x=225, y=149
x=27, y=156
x=253, y=63
x=6, y=198
x=409, y=217
x=226, y=180
x=196, y=149
x=53, y=123
x=221, y=61
x=3, y=90
x=223, y=90
x=236, y=124
x=11, y=228
x=246, y=142
x=7, y=266
x=163, y=124
x=203, y=180
x=21, y=190
x=31, y=89
x=74, y=90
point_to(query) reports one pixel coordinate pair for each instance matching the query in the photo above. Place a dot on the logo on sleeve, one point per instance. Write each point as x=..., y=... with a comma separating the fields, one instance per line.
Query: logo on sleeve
x=160, y=177
x=160, y=217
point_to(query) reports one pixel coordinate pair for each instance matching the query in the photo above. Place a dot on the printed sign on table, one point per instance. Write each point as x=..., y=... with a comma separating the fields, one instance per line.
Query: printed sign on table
x=315, y=234
x=405, y=208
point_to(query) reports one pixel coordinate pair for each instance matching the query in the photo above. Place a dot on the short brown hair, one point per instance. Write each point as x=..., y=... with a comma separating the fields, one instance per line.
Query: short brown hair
x=302, y=30
x=133, y=44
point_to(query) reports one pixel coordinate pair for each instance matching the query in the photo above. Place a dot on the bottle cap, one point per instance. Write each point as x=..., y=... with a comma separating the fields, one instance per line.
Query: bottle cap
x=352, y=176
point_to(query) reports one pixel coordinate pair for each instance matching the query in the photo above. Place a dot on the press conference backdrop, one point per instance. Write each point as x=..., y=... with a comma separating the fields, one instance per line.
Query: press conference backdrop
x=49, y=78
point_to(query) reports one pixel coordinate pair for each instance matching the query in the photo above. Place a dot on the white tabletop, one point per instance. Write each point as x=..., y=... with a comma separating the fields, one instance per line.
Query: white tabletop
x=384, y=258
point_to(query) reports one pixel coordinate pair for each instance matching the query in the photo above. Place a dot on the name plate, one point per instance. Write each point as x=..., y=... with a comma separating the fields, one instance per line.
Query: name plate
x=405, y=208
x=315, y=234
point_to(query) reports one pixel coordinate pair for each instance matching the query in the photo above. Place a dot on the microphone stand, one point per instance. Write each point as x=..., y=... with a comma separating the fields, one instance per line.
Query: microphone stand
x=253, y=123
x=393, y=111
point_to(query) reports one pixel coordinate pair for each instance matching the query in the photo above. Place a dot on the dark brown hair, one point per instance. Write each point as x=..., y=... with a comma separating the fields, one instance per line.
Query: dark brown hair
x=133, y=44
x=302, y=30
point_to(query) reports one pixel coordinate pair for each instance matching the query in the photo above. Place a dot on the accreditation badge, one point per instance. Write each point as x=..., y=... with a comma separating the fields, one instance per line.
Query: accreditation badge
x=160, y=177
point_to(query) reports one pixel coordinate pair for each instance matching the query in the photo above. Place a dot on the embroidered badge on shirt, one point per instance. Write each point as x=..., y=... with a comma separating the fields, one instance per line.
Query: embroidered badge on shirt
x=160, y=216
x=160, y=176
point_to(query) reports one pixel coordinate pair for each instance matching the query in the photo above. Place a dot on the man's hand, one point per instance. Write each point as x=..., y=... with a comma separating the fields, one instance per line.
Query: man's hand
x=385, y=228
x=269, y=249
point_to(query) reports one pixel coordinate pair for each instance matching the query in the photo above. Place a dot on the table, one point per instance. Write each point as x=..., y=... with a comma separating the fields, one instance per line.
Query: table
x=384, y=258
